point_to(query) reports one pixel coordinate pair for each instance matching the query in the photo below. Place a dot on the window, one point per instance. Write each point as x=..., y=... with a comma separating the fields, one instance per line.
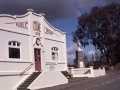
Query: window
x=53, y=56
x=54, y=53
x=14, y=49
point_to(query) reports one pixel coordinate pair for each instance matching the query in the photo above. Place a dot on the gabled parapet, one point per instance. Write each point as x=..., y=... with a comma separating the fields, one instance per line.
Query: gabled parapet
x=53, y=27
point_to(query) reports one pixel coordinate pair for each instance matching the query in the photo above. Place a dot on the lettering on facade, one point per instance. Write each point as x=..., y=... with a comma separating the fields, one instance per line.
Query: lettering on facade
x=22, y=25
x=47, y=31
x=37, y=33
x=36, y=26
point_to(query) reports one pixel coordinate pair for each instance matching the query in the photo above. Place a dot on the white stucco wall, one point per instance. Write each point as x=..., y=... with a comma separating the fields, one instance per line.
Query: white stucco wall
x=48, y=44
x=13, y=66
x=27, y=39
x=23, y=39
x=48, y=79
x=98, y=72
x=61, y=63
x=57, y=34
x=10, y=80
x=9, y=22
x=87, y=72
x=9, y=32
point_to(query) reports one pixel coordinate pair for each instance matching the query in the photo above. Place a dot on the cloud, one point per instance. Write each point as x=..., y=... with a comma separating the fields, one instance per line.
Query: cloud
x=53, y=9
x=91, y=52
x=85, y=5
x=71, y=51
x=72, y=48
x=70, y=58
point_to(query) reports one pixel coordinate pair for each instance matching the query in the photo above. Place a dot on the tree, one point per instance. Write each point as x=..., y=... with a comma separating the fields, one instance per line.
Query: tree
x=101, y=27
x=75, y=63
x=86, y=60
x=97, y=56
x=92, y=57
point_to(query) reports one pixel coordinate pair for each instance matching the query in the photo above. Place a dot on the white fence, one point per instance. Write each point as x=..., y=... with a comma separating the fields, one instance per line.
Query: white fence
x=86, y=72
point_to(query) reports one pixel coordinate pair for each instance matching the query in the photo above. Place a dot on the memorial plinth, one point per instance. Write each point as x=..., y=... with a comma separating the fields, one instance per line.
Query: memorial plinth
x=79, y=57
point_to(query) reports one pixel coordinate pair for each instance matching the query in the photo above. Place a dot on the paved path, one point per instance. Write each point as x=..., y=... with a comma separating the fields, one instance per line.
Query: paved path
x=99, y=83
x=110, y=86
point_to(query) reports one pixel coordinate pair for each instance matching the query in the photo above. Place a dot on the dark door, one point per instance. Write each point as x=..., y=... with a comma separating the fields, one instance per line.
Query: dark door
x=37, y=59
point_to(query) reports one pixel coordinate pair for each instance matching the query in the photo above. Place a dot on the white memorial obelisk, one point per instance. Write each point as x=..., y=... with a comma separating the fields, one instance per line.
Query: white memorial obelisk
x=80, y=57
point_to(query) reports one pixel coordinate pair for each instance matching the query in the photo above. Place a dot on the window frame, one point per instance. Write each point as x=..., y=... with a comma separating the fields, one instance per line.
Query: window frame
x=14, y=46
x=53, y=50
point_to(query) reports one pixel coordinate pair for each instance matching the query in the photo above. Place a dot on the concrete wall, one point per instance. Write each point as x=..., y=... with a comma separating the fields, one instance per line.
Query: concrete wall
x=57, y=34
x=98, y=72
x=10, y=68
x=48, y=79
x=10, y=80
x=47, y=48
x=80, y=72
x=87, y=72
x=27, y=39
x=59, y=64
x=24, y=48
x=9, y=22
x=10, y=71
x=13, y=66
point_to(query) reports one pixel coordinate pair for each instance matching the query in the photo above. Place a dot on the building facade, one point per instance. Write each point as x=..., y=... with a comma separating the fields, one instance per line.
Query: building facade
x=28, y=43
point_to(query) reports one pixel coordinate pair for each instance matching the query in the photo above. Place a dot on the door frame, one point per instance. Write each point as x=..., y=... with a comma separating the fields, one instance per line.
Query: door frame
x=37, y=64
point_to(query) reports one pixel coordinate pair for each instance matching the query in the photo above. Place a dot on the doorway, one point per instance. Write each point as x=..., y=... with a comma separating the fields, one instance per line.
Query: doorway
x=37, y=57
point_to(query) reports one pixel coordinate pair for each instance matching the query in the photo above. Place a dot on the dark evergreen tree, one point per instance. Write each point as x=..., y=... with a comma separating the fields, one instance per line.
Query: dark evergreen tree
x=86, y=60
x=101, y=27
x=92, y=57
x=97, y=56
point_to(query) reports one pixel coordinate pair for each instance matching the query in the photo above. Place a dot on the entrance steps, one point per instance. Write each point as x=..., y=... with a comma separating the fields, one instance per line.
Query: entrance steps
x=28, y=81
x=48, y=79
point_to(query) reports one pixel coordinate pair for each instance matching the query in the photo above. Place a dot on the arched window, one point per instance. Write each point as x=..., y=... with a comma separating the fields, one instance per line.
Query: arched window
x=14, y=49
x=54, y=53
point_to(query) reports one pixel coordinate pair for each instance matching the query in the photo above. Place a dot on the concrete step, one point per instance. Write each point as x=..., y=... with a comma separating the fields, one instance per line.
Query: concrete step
x=28, y=81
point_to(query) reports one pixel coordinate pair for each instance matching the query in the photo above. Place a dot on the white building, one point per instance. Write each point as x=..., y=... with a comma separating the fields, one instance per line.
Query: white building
x=28, y=43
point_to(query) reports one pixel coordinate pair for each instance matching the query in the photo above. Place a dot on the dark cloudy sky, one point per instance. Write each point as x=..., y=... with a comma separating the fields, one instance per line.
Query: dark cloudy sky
x=54, y=9
x=62, y=14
